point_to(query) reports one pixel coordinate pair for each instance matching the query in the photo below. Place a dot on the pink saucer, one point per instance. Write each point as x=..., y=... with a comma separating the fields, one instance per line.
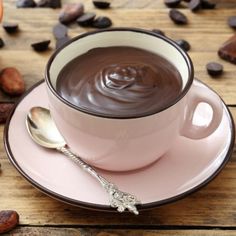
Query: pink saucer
x=189, y=165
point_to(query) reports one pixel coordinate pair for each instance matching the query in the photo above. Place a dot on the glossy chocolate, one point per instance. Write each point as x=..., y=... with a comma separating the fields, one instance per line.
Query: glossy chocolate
x=120, y=81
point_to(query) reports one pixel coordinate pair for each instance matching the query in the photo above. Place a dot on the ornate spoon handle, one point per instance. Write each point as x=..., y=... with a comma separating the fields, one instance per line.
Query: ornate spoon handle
x=118, y=199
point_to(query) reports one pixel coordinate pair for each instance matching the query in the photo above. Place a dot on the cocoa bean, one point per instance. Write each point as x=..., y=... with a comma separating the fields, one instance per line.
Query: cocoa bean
x=101, y=4
x=102, y=22
x=41, y=46
x=11, y=81
x=71, y=12
x=10, y=27
x=25, y=3
x=178, y=17
x=1, y=43
x=5, y=109
x=228, y=50
x=8, y=220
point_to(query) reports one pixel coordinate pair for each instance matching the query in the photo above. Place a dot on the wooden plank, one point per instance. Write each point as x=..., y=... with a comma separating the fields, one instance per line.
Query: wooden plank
x=214, y=205
x=138, y=4
x=32, y=24
x=39, y=231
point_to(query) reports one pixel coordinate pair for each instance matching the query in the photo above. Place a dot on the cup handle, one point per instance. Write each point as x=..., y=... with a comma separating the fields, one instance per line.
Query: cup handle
x=201, y=94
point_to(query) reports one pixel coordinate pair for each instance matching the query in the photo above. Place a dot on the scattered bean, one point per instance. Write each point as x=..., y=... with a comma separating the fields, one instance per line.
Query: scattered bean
x=195, y=5
x=1, y=43
x=25, y=3
x=228, y=50
x=101, y=4
x=49, y=3
x=71, y=12
x=102, y=22
x=172, y=3
x=41, y=46
x=8, y=220
x=214, y=68
x=10, y=27
x=5, y=109
x=11, y=81
x=60, y=31
x=61, y=41
x=86, y=19
x=232, y=22
x=157, y=31
x=178, y=17
x=208, y=5
x=183, y=44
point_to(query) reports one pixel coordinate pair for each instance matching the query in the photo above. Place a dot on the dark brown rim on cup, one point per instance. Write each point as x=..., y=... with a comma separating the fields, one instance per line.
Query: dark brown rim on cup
x=100, y=207
x=181, y=95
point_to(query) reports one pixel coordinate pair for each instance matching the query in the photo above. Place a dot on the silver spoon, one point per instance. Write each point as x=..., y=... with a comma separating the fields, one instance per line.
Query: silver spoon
x=44, y=132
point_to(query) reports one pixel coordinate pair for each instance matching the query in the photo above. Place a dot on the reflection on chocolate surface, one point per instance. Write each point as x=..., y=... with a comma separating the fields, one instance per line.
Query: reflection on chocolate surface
x=119, y=81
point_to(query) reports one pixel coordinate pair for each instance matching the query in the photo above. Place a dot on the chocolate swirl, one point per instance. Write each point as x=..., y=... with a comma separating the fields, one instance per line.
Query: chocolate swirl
x=119, y=81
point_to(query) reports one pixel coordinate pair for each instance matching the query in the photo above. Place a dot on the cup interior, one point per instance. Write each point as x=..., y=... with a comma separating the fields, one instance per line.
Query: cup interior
x=120, y=37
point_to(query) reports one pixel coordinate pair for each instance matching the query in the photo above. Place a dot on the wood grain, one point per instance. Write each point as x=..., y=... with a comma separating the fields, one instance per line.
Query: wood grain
x=136, y=4
x=211, y=207
x=50, y=231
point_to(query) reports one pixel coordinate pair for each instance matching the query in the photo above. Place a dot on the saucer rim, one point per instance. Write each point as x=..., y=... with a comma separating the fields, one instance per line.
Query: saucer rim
x=101, y=207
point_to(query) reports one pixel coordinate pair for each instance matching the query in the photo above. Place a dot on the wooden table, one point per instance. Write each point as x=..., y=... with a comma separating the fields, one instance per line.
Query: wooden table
x=210, y=211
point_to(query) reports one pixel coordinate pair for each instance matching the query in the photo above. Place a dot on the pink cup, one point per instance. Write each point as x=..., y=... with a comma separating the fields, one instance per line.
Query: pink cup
x=121, y=144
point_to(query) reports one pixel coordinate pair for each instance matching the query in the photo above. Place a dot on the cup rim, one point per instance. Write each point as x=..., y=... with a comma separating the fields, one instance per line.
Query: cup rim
x=137, y=30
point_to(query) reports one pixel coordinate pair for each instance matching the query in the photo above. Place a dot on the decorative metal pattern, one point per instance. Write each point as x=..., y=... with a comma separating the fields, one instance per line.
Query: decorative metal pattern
x=118, y=199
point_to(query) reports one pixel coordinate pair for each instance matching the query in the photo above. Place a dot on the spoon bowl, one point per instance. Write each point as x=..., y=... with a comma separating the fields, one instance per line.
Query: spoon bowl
x=42, y=129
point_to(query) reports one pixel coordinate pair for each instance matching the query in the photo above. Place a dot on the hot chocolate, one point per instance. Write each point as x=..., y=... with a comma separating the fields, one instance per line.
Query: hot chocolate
x=119, y=81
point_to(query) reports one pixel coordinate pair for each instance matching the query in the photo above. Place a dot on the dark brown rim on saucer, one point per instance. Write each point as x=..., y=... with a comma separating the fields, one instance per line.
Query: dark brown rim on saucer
x=101, y=207
x=142, y=31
